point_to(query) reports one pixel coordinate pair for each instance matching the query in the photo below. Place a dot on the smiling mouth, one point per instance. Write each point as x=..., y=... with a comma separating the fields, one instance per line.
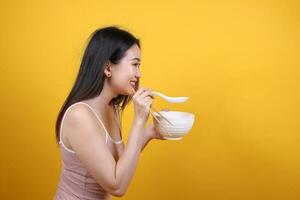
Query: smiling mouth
x=132, y=83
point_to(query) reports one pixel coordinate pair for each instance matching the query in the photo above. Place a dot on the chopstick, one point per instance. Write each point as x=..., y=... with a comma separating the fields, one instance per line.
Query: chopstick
x=158, y=121
x=160, y=115
x=152, y=108
x=154, y=116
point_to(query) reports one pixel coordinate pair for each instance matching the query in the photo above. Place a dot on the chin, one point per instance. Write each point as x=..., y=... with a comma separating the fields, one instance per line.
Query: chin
x=127, y=91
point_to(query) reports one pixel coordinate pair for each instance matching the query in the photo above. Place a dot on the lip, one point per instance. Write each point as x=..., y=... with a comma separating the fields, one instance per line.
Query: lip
x=133, y=80
x=133, y=83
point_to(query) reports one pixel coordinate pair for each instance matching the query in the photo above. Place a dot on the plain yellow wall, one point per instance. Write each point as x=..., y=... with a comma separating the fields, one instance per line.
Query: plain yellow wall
x=238, y=61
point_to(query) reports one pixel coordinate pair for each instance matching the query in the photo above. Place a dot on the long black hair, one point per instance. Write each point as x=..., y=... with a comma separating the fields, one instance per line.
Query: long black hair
x=105, y=44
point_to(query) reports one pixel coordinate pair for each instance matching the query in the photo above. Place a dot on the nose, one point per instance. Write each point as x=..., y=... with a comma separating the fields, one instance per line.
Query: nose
x=138, y=73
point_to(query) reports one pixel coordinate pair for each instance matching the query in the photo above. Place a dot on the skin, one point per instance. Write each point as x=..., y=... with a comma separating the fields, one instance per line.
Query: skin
x=112, y=165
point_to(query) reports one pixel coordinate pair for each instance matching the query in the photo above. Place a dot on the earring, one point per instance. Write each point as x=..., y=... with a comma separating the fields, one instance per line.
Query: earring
x=108, y=74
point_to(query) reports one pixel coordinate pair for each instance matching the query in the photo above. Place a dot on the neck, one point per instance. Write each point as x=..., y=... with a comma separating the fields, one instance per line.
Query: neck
x=104, y=99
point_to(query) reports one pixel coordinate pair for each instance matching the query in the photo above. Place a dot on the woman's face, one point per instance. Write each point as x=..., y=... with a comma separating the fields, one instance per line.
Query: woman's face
x=125, y=74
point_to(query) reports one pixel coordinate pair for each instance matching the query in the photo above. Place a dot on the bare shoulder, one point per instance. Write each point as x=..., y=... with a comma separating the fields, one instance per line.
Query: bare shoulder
x=80, y=125
x=79, y=112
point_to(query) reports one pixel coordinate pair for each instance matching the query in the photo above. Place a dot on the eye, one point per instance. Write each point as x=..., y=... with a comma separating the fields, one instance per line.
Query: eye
x=137, y=64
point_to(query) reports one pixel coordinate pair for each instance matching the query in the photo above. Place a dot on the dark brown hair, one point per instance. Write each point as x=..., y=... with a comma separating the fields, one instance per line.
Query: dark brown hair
x=105, y=44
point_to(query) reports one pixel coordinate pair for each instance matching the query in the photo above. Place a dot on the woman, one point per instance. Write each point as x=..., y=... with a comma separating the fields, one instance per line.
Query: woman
x=95, y=162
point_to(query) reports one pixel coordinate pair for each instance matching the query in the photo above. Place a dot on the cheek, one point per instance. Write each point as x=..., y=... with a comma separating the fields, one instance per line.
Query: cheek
x=122, y=85
x=121, y=78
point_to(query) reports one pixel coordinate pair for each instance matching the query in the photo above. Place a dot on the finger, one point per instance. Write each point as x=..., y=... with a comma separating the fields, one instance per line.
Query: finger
x=141, y=93
x=151, y=93
x=146, y=93
x=138, y=92
x=149, y=103
x=148, y=98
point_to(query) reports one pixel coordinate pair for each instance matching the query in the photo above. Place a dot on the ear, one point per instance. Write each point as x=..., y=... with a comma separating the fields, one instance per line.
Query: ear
x=107, y=69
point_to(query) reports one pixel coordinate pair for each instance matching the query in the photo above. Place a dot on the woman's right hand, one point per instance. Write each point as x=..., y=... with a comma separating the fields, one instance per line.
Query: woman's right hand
x=142, y=100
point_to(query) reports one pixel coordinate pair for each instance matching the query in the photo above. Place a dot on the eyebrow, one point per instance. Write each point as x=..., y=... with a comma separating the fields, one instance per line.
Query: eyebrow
x=136, y=59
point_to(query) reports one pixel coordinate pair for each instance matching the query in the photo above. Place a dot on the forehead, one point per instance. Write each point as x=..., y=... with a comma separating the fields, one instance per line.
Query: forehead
x=133, y=52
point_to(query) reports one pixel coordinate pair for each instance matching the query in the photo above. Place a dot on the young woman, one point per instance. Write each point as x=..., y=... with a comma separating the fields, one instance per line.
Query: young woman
x=95, y=162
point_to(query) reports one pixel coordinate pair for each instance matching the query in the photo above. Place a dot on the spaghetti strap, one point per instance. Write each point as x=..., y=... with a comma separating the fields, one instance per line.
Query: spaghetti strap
x=60, y=129
x=107, y=134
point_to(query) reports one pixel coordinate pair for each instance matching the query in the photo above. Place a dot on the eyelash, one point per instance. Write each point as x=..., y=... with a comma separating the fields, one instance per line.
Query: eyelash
x=136, y=64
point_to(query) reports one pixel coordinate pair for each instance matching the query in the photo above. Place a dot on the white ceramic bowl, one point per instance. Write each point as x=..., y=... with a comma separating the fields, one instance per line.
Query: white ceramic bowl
x=182, y=124
x=178, y=126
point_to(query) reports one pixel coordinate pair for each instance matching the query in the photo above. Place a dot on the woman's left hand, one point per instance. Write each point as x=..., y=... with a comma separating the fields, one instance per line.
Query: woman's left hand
x=152, y=132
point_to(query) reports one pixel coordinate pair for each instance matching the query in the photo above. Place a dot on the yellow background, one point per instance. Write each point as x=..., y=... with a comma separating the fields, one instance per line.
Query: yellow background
x=238, y=61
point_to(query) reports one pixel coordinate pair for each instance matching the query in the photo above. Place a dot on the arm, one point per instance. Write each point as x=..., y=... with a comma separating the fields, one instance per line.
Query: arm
x=146, y=139
x=127, y=164
x=85, y=136
x=150, y=134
